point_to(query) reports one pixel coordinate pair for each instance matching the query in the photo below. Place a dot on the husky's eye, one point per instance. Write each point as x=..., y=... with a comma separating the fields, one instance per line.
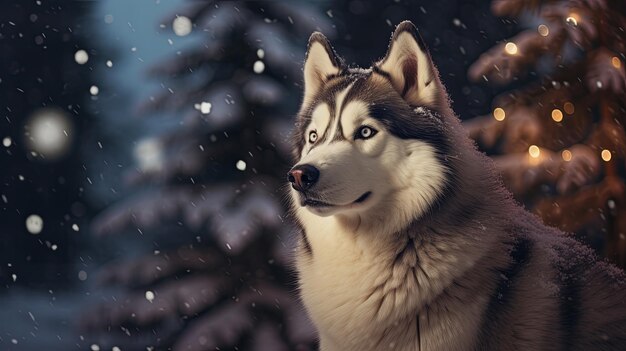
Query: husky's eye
x=365, y=132
x=312, y=137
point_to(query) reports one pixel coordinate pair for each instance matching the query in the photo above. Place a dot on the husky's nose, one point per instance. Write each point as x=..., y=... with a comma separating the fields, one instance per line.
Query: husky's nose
x=303, y=177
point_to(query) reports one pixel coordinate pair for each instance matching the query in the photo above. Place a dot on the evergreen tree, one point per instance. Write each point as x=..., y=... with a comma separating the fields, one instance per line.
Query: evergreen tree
x=558, y=137
x=216, y=183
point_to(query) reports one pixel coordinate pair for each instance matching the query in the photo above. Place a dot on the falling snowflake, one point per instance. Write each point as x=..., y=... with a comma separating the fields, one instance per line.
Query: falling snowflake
x=204, y=107
x=75, y=227
x=182, y=26
x=7, y=142
x=149, y=296
x=94, y=90
x=82, y=275
x=34, y=224
x=109, y=63
x=258, y=67
x=81, y=57
x=241, y=165
x=49, y=132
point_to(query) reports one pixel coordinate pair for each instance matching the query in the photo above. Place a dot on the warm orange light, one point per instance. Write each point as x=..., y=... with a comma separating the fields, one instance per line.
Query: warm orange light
x=567, y=155
x=543, y=30
x=499, y=114
x=510, y=48
x=569, y=108
x=572, y=19
x=606, y=155
x=616, y=62
x=534, y=151
x=557, y=115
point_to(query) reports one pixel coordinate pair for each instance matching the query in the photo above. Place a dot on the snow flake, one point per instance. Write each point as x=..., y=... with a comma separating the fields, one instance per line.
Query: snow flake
x=109, y=63
x=34, y=224
x=48, y=132
x=115, y=348
x=258, y=67
x=181, y=26
x=94, y=90
x=260, y=53
x=611, y=204
x=241, y=165
x=149, y=295
x=95, y=347
x=82, y=275
x=75, y=227
x=108, y=19
x=81, y=57
x=14, y=277
x=204, y=107
x=7, y=141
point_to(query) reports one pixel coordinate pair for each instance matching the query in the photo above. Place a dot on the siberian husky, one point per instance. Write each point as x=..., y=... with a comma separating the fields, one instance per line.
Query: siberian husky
x=409, y=240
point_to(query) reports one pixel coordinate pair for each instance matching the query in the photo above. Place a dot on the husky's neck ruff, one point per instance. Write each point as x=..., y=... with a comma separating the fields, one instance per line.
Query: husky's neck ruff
x=409, y=239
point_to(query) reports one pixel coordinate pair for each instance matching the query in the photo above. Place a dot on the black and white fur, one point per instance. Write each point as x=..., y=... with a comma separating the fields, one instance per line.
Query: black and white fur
x=410, y=241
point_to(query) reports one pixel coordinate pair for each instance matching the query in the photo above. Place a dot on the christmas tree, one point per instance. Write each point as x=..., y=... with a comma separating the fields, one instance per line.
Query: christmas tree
x=558, y=136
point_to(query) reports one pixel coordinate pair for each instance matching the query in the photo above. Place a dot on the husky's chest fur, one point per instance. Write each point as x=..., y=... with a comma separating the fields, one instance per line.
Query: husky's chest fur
x=365, y=295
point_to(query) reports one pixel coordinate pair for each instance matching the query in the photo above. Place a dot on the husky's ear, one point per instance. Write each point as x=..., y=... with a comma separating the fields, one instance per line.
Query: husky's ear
x=321, y=64
x=410, y=69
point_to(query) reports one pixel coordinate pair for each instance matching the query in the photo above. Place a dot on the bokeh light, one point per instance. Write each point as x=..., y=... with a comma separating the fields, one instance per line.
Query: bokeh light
x=48, y=133
x=534, y=151
x=510, y=48
x=566, y=155
x=499, y=114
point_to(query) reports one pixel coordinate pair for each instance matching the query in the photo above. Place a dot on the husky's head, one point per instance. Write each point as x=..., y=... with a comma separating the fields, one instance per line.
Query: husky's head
x=370, y=141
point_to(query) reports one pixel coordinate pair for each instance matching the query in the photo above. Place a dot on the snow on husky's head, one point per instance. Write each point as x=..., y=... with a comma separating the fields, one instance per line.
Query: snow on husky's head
x=370, y=143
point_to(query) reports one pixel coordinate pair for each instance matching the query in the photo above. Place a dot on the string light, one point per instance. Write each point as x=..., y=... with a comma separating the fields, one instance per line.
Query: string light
x=569, y=108
x=572, y=19
x=615, y=61
x=510, y=48
x=557, y=115
x=543, y=30
x=606, y=155
x=566, y=155
x=534, y=151
x=499, y=114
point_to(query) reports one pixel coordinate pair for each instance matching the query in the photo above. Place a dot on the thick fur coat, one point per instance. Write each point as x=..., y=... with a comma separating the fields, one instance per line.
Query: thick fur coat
x=409, y=240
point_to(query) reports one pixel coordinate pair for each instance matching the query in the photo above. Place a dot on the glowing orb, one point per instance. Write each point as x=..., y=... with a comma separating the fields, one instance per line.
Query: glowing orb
x=510, y=48
x=182, y=26
x=534, y=151
x=34, y=224
x=543, y=30
x=49, y=133
x=557, y=115
x=567, y=155
x=81, y=57
x=606, y=155
x=149, y=154
x=258, y=67
x=499, y=114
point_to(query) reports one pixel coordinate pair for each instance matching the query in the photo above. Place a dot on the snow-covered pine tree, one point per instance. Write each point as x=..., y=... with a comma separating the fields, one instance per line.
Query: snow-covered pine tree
x=220, y=275
x=558, y=137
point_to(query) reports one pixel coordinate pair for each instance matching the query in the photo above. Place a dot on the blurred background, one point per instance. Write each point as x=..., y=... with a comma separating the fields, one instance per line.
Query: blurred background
x=145, y=146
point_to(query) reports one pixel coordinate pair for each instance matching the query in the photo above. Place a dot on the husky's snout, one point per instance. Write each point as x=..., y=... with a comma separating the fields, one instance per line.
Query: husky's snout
x=303, y=177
